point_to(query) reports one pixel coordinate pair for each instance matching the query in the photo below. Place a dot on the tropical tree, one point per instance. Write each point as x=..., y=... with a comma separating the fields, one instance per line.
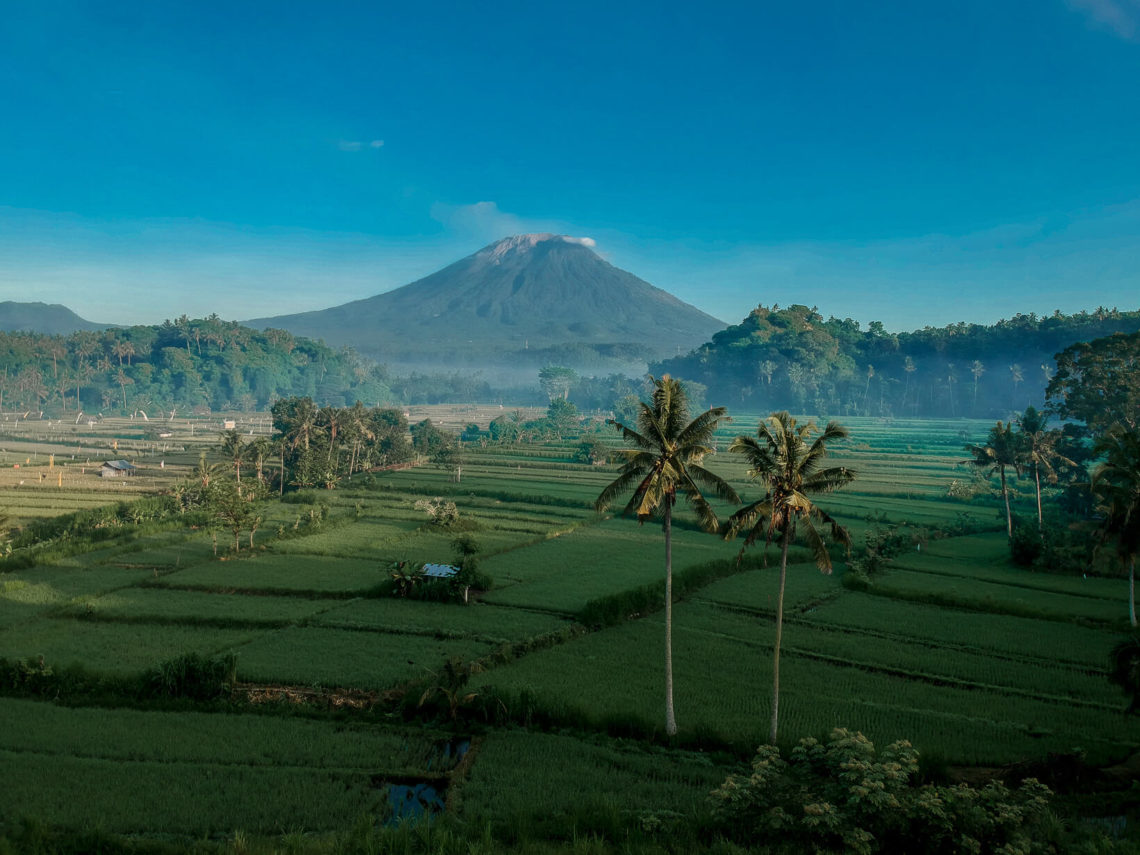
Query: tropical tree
x=786, y=459
x=233, y=449
x=977, y=369
x=556, y=381
x=1098, y=382
x=1039, y=449
x=665, y=459
x=1124, y=670
x=1116, y=487
x=1016, y=375
x=1000, y=452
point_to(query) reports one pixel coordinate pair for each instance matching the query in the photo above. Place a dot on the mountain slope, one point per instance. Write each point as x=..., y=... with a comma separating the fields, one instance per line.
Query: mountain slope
x=49, y=319
x=519, y=295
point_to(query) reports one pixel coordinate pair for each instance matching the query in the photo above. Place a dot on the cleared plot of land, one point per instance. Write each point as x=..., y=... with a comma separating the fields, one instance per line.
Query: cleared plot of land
x=269, y=572
x=187, y=798
x=161, y=606
x=189, y=737
x=480, y=622
x=557, y=783
x=347, y=658
x=564, y=573
x=723, y=683
x=116, y=648
x=984, y=558
x=1045, y=642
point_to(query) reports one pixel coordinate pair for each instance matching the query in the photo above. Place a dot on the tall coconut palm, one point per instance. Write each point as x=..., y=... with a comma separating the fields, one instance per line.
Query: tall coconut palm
x=1116, y=486
x=1039, y=451
x=233, y=448
x=786, y=459
x=666, y=460
x=977, y=369
x=1001, y=451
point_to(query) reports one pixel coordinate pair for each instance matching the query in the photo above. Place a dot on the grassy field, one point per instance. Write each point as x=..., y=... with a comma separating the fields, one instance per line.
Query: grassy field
x=974, y=660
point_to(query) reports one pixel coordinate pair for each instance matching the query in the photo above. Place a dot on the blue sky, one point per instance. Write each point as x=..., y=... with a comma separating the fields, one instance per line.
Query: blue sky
x=914, y=163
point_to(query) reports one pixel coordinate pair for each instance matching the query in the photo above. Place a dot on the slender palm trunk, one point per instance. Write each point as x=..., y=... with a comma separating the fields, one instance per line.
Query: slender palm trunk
x=670, y=717
x=779, y=632
x=1008, y=514
x=1132, y=591
x=1037, y=485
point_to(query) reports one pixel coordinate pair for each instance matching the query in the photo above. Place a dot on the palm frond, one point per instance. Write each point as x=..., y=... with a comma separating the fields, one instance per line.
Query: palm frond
x=701, y=429
x=828, y=480
x=721, y=488
x=817, y=546
x=618, y=486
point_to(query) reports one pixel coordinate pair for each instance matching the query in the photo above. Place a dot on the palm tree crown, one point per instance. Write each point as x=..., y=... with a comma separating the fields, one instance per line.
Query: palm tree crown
x=785, y=458
x=665, y=459
x=1039, y=451
x=1001, y=451
x=666, y=456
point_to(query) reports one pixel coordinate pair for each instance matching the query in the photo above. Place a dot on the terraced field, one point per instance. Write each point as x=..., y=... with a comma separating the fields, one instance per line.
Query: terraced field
x=953, y=648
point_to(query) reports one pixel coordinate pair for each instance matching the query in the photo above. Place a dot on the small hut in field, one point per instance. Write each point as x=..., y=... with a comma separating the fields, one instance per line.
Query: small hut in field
x=117, y=469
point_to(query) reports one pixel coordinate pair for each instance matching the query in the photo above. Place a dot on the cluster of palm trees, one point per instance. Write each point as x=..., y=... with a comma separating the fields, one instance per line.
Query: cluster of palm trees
x=1114, y=484
x=318, y=445
x=1031, y=448
x=786, y=458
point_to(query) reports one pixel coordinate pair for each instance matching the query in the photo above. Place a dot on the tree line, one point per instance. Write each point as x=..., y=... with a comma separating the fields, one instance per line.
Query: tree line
x=188, y=365
x=793, y=358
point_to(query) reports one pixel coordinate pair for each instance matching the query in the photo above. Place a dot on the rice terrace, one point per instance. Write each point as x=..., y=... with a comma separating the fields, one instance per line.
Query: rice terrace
x=276, y=685
x=542, y=429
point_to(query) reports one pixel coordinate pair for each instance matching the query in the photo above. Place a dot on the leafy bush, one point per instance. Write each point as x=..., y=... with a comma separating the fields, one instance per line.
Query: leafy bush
x=26, y=676
x=843, y=796
x=441, y=513
x=880, y=545
x=1025, y=545
x=592, y=451
x=192, y=676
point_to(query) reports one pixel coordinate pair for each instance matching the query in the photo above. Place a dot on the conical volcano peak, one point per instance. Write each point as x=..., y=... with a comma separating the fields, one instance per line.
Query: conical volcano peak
x=530, y=298
x=525, y=243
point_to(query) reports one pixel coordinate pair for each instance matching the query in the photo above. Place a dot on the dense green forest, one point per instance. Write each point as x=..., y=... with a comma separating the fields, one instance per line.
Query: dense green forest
x=793, y=358
x=204, y=364
x=776, y=358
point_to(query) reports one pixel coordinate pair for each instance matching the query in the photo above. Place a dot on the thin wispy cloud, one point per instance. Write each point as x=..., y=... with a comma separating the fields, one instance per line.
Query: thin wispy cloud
x=484, y=221
x=1120, y=16
x=357, y=145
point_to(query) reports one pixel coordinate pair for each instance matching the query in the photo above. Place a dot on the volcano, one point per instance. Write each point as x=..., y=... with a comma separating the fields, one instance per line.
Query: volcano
x=531, y=298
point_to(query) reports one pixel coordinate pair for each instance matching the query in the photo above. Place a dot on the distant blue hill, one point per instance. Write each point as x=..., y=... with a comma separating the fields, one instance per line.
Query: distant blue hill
x=48, y=319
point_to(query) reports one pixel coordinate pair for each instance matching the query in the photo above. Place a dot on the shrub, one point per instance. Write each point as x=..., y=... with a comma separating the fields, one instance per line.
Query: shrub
x=843, y=796
x=192, y=676
x=1025, y=545
x=441, y=513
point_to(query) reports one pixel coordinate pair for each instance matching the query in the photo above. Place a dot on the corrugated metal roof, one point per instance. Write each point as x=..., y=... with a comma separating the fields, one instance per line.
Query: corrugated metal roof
x=440, y=571
x=119, y=464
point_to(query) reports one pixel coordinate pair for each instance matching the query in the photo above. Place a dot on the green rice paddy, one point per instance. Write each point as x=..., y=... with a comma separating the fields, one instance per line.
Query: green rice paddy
x=952, y=647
